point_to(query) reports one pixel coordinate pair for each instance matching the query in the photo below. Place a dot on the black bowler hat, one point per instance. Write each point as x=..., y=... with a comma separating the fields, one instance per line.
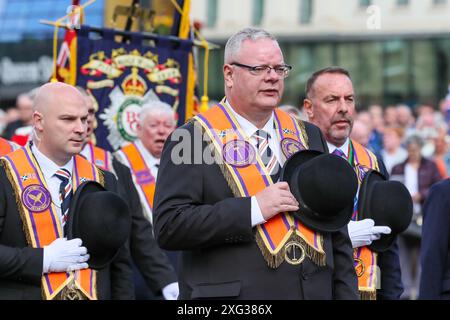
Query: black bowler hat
x=101, y=219
x=388, y=203
x=325, y=186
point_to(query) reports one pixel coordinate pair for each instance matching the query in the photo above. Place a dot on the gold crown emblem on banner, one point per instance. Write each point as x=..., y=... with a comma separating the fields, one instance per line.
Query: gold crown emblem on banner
x=134, y=84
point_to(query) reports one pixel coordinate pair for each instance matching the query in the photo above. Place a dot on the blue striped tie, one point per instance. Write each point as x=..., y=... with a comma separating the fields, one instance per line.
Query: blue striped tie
x=65, y=192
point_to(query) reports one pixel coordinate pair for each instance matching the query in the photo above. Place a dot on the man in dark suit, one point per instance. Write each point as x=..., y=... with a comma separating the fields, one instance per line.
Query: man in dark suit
x=330, y=104
x=435, y=246
x=36, y=260
x=154, y=277
x=215, y=206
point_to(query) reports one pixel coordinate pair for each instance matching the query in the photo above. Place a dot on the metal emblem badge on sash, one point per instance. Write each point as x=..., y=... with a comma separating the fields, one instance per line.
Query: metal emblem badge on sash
x=239, y=153
x=294, y=253
x=290, y=146
x=36, y=198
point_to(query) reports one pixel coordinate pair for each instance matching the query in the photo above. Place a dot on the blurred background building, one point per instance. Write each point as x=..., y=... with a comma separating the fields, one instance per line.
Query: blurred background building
x=396, y=50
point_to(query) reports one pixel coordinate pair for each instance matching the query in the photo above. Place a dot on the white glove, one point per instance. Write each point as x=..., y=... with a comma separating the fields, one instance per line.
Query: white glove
x=171, y=291
x=363, y=232
x=64, y=255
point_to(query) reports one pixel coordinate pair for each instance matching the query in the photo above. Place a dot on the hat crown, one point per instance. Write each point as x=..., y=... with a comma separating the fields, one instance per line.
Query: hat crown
x=388, y=203
x=325, y=187
x=101, y=219
x=329, y=178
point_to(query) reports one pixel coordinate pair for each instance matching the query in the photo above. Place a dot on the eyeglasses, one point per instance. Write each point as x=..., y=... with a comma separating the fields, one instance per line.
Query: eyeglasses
x=281, y=70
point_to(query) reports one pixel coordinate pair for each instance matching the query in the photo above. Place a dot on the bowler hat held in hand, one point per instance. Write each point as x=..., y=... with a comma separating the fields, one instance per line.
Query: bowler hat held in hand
x=101, y=219
x=325, y=186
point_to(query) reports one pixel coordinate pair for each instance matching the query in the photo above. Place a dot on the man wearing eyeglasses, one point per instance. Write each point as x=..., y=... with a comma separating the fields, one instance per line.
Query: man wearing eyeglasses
x=219, y=208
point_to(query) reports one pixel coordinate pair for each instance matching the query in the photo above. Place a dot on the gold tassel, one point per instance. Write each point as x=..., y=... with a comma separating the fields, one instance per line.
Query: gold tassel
x=273, y=260
x=368, y=295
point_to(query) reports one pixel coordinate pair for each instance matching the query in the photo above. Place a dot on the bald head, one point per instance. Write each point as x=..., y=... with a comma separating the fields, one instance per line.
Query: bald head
x=60, y=121
x=53, y=94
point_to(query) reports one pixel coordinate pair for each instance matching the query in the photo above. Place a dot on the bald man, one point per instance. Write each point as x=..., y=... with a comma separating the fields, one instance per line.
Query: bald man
x=36, y=260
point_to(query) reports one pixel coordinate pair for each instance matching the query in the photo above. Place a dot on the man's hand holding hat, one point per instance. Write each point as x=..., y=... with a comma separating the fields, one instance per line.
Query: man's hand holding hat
x=64, y=255
x=363, y=232
x=276, y=198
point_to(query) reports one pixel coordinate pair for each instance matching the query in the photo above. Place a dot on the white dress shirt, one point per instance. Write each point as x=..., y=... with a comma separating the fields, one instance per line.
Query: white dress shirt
x=48, y=169
x=86, y=152
x=249, y=130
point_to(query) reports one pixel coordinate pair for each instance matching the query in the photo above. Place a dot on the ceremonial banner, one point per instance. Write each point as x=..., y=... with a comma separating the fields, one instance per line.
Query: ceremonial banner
x=121, y=77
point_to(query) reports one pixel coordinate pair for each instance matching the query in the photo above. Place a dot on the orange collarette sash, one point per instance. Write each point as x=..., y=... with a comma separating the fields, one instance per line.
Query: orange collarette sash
x=100, y=157
x=365, y=260
x=41, y=221
x=142, y=176
x=6, y=147
x=246, y=175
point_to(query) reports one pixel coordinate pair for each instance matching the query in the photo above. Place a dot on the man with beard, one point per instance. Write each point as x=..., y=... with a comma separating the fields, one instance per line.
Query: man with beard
x=330, y=104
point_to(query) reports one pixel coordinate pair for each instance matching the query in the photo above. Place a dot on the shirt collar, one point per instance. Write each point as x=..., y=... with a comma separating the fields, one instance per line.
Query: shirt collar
x=249, y=128
x=148, y=157
x=344, y=147
x=48, y=167
x=86, y=152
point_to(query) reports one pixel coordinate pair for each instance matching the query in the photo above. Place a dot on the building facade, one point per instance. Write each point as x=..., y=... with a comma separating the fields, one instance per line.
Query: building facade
x=395, y=50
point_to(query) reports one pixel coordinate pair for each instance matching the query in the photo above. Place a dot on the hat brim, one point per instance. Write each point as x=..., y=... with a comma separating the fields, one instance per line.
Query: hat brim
x=305, y=214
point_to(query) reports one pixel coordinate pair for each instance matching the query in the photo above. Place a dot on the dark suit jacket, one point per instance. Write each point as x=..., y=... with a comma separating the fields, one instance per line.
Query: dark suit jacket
x=195, y=211
x=435, y=246
x=21, y=265
x=148, y=257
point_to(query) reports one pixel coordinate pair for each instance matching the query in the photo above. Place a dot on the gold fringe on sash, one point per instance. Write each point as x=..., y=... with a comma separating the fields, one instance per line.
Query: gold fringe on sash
x=315, y=256
x=101, y=177
x=273, y=261
x=9, y=174
x=367, y=295
x=301, y=125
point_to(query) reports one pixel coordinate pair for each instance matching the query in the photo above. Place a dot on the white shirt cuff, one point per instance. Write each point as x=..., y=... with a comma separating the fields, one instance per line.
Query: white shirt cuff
x=257, y=217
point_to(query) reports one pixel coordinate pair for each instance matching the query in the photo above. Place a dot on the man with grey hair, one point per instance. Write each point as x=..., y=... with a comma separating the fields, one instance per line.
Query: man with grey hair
x=153, y=273
x=204, y=210
x=156, y=121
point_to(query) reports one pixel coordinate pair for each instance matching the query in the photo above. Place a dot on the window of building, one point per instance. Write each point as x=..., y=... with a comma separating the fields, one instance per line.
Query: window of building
x=365, y=3
x=439, y=2
x=258, y=12
x=211, y=13
x=402, y=2
x=305, y=11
